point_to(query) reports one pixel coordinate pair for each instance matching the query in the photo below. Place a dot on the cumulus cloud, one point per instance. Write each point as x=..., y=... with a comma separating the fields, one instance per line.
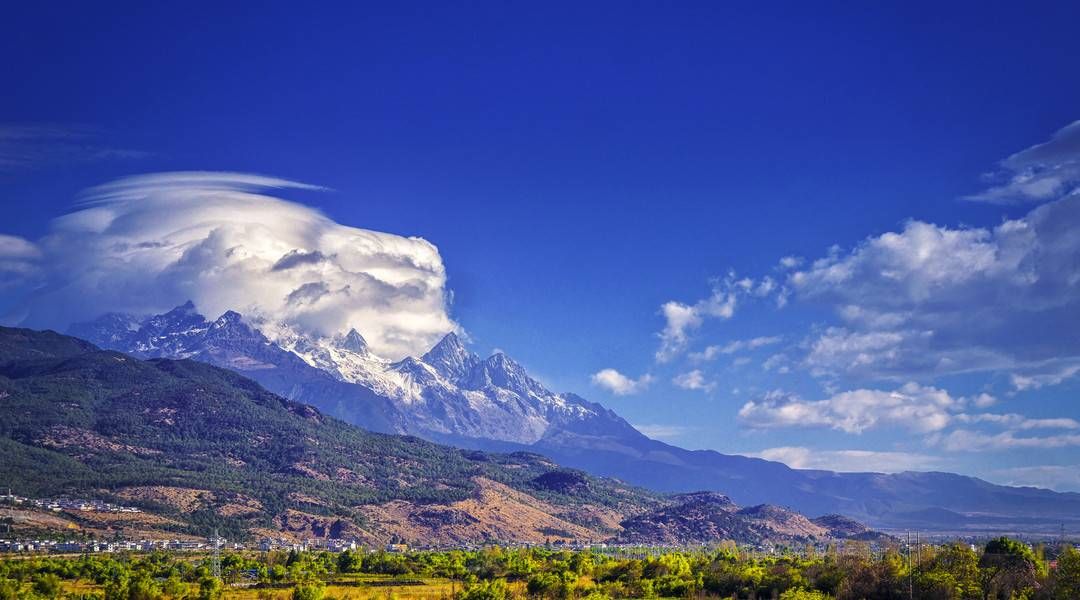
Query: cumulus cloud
x=147, y=243
x=681, y=319
x=790, y=262
x=932, y=300
x=799, y=457
x=619, y=384
x=693, y=380
x=921, y=409
x=1042, y=172
x=916, y=408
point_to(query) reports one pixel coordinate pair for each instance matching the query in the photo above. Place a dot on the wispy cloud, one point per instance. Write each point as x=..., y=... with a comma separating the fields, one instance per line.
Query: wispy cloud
x=681, y=320
x=1063, y=478
x=1042, y=172
x=966, y=440
x=26, y=146
x=800, y=457
x=664, y=432
x=19, y=261
x=712, y=352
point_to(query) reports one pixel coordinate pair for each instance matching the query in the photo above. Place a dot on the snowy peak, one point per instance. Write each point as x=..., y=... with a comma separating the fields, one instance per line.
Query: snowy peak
x=229, y=319
x=231, y=326
x=353, y=342
x=170, y=334
x=111, y=330
x=450, y=390
x=184, y=313
x=451, y=359
x=501, y=371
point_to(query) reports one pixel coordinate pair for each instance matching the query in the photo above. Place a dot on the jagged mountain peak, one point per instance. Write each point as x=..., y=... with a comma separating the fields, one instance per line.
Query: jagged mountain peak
x=231, y=325
x=186, y=307
x=450, y=358
x=229, y=318
x=501, y=371
x=183, y=315
x=185, y=310
x=450, y=390
x=354, y=342
x=110, y=330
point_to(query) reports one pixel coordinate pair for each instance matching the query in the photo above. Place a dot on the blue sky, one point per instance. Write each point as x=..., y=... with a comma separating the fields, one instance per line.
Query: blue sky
x=580, y=167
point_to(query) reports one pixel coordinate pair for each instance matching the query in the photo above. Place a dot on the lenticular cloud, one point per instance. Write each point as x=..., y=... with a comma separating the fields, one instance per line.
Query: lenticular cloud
x=147, y=243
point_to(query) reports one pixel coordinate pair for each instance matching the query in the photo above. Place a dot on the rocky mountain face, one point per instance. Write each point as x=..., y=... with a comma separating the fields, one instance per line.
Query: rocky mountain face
x=451, y=395
x=197, y=447
x=702, y=517
x=448, y=392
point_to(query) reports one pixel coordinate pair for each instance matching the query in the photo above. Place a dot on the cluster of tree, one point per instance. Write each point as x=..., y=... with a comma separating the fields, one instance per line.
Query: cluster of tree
x=189, y=424
x=1003, y=569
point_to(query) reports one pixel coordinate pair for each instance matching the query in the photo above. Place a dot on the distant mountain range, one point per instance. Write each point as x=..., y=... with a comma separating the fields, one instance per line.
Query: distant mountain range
x=200, y=448
x=451, y=395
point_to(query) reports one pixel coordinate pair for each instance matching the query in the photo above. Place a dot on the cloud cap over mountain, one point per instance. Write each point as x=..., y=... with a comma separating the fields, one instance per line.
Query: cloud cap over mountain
x=146, y=243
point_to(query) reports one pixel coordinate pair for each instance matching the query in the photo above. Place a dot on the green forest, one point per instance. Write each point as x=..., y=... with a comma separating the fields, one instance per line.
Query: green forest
x=1004, y=568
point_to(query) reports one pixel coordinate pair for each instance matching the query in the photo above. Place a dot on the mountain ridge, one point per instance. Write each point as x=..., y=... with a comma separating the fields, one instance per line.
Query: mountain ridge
x=453, y=396
x=200, y=447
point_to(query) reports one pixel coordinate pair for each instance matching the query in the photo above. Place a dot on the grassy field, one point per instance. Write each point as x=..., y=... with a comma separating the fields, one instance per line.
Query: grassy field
x=355, y=588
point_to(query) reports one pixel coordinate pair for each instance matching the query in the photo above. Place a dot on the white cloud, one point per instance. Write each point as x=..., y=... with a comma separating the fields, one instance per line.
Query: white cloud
x=24, y=146
x=791, y=262
x=664, y=432
x=709, y=353
x=966, y=440
x=712, y=352
x=799, y=457
x=148, y=243
x=1037, y=376
x=983, y=400
x=914, y=407
x=778, y=363
x=18, y=260
x=1042, y=172
x=681, y=319
x=619, y=384
x=693, y=380
x=917, y=408
x=930, y=300
x=1063, y=478
x=1018, y=422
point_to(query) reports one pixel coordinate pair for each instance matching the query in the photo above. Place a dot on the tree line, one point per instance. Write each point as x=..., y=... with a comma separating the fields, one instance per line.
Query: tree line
x=1002, y=569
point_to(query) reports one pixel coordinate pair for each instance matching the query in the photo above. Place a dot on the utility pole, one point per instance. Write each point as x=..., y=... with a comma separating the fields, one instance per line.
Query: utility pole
x=911, y=578
x=918, y=552
x=216, y=564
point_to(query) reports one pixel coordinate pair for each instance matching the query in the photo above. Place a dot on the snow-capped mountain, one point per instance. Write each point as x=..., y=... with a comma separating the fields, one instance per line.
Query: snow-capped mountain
x=449, y=392
x=451, y=395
